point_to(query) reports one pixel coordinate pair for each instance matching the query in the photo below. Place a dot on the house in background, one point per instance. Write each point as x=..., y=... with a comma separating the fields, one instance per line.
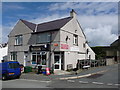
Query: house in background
x=56, y=44
x=3, y=52
x=113, y=53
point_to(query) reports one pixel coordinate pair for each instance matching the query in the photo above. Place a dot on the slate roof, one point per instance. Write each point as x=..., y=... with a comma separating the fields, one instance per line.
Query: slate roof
x=53, y=25
x=47, y=26
x=29, y=24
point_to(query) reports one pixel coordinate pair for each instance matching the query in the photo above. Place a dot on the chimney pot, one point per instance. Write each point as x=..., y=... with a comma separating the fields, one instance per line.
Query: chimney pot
x=73, y=14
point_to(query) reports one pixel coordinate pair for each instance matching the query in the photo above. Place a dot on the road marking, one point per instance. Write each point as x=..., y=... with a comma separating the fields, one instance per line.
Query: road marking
x=97, y=83
x=36, y=80
x=70, y=80
x=117, y=84
x=109, y=84
x=83, y=82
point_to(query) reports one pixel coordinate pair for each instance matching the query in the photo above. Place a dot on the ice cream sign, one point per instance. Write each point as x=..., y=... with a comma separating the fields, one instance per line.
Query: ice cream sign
x=64, y=46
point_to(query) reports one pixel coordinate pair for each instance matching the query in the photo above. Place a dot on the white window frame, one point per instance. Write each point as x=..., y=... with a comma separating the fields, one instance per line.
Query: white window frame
x=18, y=40
x=36, y=54
x=12, y=57
x=75, y=40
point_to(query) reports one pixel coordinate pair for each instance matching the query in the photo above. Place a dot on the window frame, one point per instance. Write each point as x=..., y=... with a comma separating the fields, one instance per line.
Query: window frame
x=45, y=35
x=75, y=39
x=18, y=40
x=41, y=58
x=84, y=45
x=12, y=57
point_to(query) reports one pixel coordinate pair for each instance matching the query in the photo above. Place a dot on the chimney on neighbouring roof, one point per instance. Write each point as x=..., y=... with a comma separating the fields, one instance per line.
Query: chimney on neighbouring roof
x=73, y=13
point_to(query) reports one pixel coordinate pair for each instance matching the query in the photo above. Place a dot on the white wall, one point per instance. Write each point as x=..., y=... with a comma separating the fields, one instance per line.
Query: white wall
x=3, y=52
x=71, y=54
x=71, y=58
x=91, y=52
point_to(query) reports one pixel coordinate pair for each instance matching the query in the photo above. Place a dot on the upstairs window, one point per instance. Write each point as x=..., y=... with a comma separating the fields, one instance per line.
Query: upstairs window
x=75, y=40
x=19, y=40
x=84, y=45
x=13, y=55
x=87, y=51
x=43, y=38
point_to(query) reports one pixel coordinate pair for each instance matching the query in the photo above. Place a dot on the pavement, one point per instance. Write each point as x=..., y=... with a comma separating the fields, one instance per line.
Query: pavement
x=42, y=77
x=61, y=75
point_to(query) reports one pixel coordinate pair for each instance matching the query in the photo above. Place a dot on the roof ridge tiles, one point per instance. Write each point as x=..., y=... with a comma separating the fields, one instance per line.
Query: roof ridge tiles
x=26, y=21
x=47, y=26
x=54, y=20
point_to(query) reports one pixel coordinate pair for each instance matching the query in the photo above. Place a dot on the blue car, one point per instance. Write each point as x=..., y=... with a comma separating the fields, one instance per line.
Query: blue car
x=10, y=69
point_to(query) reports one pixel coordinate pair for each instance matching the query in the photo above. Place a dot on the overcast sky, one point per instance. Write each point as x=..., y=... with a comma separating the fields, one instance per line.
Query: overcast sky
x=99, y=20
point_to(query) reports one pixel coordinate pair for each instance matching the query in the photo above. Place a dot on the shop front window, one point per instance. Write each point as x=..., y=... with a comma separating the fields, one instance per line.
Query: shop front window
x=39, y=58
x=44, y=59
x=33, y=59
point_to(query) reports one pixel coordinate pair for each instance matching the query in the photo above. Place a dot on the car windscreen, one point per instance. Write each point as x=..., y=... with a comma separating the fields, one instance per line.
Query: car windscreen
x=14, y=65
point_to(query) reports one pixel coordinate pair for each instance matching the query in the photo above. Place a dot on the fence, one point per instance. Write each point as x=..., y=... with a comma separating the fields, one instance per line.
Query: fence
x=91, y=63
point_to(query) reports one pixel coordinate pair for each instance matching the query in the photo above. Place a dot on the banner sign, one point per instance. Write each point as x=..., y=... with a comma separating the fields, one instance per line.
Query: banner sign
x=64, y=46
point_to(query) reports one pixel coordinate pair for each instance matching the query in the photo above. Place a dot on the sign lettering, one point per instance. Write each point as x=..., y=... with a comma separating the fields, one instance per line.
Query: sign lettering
x=64, y=46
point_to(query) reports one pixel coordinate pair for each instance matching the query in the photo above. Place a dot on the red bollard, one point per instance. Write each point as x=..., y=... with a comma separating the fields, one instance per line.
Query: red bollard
x=47, y=71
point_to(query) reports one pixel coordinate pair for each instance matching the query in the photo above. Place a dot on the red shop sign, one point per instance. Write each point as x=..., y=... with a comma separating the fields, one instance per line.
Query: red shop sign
x=64, y=46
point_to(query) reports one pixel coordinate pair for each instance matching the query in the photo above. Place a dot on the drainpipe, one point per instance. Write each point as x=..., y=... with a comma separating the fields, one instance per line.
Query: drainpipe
x=85, y=52
x=50, y=50
x=118, y=57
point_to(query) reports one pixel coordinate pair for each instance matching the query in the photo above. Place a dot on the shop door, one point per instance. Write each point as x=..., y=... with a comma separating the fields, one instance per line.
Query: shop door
x=57, y=62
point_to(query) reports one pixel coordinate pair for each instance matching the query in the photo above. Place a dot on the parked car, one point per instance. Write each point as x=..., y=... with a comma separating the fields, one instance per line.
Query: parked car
x=10, y=69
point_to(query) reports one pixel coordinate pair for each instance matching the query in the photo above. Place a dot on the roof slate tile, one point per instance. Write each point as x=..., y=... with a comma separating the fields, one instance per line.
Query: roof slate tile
x=48, y=26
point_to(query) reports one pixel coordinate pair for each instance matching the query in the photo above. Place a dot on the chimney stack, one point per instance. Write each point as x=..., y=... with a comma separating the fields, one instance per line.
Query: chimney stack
x=73, y=14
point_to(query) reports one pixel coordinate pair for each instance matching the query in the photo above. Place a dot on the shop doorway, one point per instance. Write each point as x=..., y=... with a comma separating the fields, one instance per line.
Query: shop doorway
x=58, y=61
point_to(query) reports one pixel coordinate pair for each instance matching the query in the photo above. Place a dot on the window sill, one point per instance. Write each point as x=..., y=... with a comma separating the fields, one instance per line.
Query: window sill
x=18, y=45
x=75, y=45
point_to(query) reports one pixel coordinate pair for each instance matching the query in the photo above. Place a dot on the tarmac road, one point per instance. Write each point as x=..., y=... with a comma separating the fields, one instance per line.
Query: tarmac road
x=22, y=83
x=106, y=79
